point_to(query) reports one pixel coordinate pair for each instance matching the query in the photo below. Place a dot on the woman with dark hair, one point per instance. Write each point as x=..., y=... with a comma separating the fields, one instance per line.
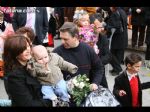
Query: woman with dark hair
x=22, y=88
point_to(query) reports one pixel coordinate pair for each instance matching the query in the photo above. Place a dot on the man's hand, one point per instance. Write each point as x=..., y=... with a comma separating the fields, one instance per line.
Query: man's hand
x=93, y=87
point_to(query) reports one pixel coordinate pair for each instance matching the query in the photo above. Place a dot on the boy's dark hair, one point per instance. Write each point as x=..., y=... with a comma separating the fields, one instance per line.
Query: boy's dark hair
x=132, y=59
x=70, y=27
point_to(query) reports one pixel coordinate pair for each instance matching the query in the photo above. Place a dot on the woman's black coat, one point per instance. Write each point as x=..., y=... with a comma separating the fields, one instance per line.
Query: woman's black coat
x=23, y=89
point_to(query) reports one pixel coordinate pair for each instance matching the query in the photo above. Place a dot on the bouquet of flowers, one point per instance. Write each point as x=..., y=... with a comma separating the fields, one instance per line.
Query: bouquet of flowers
x=79, y=87
x=88, y=35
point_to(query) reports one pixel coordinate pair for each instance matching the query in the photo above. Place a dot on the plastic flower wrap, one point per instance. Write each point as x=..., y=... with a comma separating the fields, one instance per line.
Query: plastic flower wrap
x=79, y=87
x=88, y=35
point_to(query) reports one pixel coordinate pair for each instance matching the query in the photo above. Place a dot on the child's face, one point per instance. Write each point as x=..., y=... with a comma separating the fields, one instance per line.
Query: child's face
x=135, y=68
x=84, y=21
x=42, y=57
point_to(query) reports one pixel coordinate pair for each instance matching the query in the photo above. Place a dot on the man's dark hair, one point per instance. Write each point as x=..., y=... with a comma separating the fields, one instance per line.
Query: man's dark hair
x=71, y=28
x=132, y=59
x=95, y=16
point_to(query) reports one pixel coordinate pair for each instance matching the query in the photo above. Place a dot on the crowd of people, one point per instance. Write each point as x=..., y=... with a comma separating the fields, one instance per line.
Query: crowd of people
x=91, y=37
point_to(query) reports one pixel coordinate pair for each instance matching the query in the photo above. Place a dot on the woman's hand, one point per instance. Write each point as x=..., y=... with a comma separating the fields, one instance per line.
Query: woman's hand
x=93, y=87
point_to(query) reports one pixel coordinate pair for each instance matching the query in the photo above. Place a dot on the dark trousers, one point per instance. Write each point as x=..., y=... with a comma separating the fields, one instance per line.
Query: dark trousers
x=117, y=58
x=115, y=64
x=104, y=81
x=147, y=54
x=135, y=30
x=37, y=42
x=119, y=54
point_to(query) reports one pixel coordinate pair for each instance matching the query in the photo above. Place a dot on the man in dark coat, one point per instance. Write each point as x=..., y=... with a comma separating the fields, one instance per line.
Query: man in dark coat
x=147, y=41
x=138, y=25
x=39, y=21
x=118, y=20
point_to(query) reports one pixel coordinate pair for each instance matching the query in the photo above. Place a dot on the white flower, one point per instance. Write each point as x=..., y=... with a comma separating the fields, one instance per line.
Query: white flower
x=76, y=84
x=79, y=88
x=81, y=85
x=70, y=85
x=74, y=80
x=87, y=79
x=85, y=95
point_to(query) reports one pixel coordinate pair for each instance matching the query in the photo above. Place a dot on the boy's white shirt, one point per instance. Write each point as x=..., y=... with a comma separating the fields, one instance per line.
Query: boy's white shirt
x=131, y=75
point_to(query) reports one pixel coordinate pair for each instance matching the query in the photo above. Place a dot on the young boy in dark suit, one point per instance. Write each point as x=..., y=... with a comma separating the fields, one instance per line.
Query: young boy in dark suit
x=128, y=87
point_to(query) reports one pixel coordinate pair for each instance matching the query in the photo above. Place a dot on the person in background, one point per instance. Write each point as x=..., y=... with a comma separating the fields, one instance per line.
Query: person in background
x=27, y=32
x=119, y=41
x=2, y=22
x=103, y=42
x=8, y=13
x=147, y=40
x=5, y=30
x=33, y=17
x=138, y=25
x=59, y=14
x=22, y=89
x=47, y=66
x=68, y=13
x=51, y=27
x=2, y=28
x=128, y=87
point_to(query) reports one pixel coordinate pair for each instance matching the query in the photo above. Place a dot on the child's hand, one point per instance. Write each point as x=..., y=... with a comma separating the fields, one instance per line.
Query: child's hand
x=122, y=93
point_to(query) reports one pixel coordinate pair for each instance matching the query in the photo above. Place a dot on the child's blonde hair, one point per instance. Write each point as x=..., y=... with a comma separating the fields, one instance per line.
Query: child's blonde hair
x=78, y=15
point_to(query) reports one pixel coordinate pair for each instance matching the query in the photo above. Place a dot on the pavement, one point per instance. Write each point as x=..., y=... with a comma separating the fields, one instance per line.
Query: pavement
x=144, y=73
